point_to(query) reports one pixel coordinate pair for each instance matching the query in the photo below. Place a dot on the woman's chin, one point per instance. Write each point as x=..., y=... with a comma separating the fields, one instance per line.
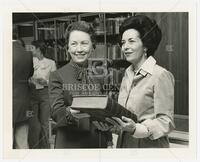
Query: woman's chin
x=79, y=61
x=131, y=60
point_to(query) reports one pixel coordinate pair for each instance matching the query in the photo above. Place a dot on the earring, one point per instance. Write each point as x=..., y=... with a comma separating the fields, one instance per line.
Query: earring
x=145, y=52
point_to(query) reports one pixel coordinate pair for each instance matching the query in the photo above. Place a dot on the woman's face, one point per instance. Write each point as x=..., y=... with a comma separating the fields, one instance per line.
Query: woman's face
x=80, y=46
x=132, y=46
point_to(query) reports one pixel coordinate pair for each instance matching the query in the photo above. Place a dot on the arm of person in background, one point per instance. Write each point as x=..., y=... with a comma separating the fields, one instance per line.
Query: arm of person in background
x=60, y=112
x=43, y=81
x=31, y=65
x=53, y=67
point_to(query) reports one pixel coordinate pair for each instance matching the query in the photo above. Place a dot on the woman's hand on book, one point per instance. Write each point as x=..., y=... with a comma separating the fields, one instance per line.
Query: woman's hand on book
x=124, y=124
x=102, y=126
x=74, y=111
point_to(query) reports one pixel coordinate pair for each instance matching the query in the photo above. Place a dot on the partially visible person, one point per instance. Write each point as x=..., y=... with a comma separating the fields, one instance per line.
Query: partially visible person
x=22, y=42
x=74, y=79
x=147, y=89
x=39, y=123
x=22, y=71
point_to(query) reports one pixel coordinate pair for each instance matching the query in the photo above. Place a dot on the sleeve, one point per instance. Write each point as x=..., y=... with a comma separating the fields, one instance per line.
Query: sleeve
x=53, y=68
x=59, y=111
x=163, y=123
x=31, y=65
x=109, y=138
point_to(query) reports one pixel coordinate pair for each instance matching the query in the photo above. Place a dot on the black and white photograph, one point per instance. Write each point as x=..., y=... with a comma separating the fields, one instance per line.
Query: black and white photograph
x=101, y=82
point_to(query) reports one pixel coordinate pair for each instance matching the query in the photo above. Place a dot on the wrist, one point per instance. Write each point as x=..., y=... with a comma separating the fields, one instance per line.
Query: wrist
x=110, y=143
x=141, y=131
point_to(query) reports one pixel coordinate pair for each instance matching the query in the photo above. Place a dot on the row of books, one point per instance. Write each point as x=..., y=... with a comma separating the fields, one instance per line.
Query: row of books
x=46, y=34
x=62, y=54
x=49, y=31
x=113, y=24
x=60, y=29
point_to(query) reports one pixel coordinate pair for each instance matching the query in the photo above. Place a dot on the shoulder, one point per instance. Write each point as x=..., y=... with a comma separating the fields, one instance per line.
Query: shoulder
x=62, y=75
x=50, y=61
x=63, y=71
x=162, y=73
x=159, y=70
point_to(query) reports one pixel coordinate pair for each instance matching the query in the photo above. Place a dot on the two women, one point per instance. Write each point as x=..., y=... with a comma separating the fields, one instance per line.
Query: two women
x=147, y=89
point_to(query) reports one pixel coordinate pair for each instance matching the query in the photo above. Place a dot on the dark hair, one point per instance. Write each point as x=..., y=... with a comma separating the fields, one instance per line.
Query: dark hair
x=40, y=44
x=148, y=29
x=80, y=26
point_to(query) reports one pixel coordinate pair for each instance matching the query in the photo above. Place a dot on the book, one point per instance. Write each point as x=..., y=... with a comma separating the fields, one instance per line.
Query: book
x=101, y=107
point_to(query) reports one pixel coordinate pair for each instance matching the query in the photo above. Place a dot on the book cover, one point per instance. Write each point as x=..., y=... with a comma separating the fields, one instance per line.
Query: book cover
x=101, y=107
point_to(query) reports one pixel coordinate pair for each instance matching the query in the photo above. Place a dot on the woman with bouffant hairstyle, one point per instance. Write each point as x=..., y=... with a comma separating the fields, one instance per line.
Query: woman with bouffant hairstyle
x=147, y=89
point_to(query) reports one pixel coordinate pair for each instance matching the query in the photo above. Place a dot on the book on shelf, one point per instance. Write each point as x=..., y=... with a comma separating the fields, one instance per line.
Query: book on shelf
x=61, y=27
x=101, y=107
x=98, y=26
x=100, y=51
x=113, y=24
x=114, y=52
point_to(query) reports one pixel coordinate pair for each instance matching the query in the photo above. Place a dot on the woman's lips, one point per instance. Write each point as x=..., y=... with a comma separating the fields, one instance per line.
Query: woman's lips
x=79, y=55
x=128, y=53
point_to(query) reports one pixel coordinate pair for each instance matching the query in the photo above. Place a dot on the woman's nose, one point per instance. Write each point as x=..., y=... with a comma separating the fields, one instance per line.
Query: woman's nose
x=125, y=46
x=79, y=48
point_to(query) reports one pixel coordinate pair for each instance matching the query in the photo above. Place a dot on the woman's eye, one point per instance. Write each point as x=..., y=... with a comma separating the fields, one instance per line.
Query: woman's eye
x=73, y=43
x=84, y=43
x=131, y=41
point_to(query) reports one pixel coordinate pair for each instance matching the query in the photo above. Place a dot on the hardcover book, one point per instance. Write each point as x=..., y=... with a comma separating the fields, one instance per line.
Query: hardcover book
x=101, y=107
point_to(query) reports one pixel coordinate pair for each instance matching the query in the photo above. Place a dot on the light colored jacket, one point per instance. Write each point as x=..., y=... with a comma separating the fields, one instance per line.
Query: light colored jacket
x=149, y=93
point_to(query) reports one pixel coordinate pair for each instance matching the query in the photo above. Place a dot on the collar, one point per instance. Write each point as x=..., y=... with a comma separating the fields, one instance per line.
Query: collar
x=80, y=70
x=38, y=60
x=78, y=66
x=147, y=67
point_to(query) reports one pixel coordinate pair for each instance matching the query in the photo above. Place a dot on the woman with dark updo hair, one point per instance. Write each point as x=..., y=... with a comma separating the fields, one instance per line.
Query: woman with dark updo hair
x=147, y=89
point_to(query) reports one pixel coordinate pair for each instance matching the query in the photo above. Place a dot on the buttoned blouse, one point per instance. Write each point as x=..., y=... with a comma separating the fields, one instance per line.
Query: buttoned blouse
x=149, y=93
